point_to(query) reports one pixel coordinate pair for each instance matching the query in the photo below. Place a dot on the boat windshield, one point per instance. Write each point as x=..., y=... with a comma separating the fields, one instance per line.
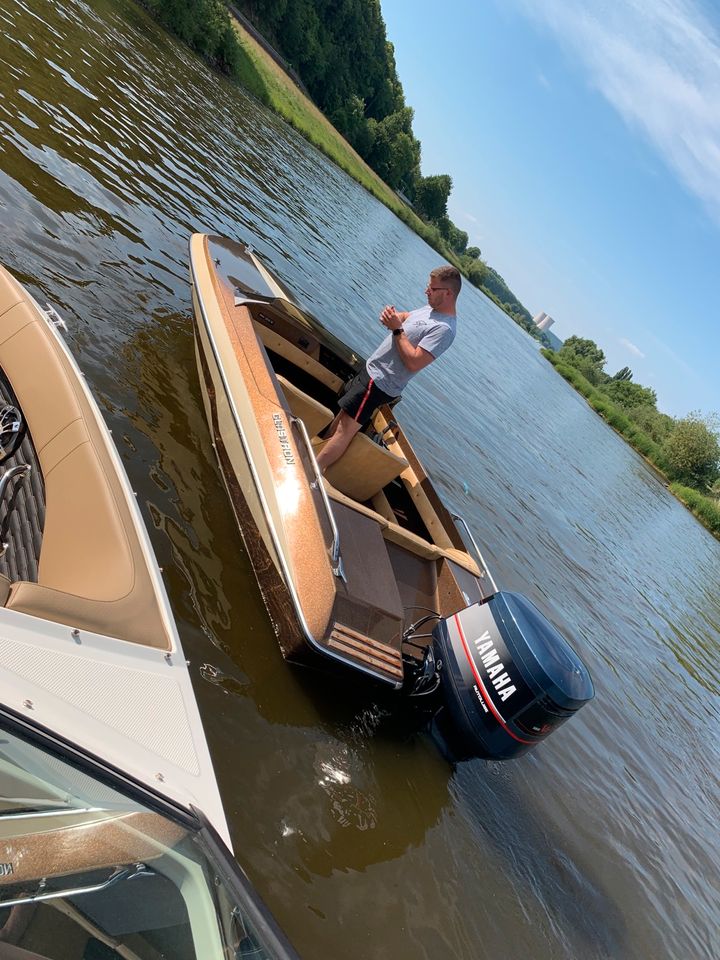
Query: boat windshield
x=89, y=873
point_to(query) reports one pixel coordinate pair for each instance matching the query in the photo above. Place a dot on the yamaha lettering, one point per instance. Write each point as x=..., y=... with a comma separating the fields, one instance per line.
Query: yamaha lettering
x=499, y=689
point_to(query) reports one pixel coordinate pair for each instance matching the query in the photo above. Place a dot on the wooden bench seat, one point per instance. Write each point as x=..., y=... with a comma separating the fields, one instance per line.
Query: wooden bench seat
x=364, y=469
x=390, y=531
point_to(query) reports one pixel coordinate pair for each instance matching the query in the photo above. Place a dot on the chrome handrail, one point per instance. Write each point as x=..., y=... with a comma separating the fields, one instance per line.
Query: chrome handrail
x=120, y=874
x=12, y=472
x=19, y=469
x=456, y=516
x=317, y=484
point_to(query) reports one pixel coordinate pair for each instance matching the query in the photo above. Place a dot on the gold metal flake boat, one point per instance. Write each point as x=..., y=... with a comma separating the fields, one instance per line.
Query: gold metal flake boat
x=351, y=565
x=348, y=562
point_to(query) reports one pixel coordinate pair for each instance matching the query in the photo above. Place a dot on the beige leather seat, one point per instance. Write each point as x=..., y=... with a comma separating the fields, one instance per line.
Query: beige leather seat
x=364, y=469
x=92, y=572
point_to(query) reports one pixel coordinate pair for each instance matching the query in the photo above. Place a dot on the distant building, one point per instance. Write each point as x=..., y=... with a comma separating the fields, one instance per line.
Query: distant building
x=543, y=322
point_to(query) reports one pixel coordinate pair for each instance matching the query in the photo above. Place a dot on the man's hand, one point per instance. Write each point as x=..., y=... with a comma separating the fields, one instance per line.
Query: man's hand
x=392, y=318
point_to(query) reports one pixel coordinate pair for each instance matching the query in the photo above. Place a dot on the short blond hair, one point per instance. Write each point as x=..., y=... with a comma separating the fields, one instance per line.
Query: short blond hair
x=450, y=276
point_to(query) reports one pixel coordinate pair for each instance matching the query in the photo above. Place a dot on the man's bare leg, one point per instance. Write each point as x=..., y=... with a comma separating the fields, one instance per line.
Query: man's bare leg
x=329, y=431
x=342, y=430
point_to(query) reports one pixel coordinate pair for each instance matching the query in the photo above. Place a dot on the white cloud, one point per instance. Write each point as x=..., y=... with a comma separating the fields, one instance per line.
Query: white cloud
x=674, y=357
x=543, y=80
x=658, y=64
x=470, y=217
x=636, y=351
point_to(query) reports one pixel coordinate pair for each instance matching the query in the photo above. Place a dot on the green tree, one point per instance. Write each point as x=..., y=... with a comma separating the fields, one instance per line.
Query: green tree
x=477, y=271
x=624, y=374
x=656, y=425
x=582, y=347
x=457, y=239
x=350, y=119
x=431, y=195
x=586, y=356
x=692, y=451
x=204, y=25
x=473, y=253
x=395, y=152
x=628, y=394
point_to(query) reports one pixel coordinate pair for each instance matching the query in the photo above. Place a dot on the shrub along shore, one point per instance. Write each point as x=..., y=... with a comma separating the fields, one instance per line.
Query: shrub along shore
x=703, y=507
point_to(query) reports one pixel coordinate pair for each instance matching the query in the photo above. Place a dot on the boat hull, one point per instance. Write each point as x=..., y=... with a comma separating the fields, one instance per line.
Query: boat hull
x=330, y=554
x=249, y=513
x=268, y=471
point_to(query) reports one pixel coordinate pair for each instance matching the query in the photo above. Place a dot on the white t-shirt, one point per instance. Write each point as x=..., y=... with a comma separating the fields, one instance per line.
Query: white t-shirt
x=424, y=328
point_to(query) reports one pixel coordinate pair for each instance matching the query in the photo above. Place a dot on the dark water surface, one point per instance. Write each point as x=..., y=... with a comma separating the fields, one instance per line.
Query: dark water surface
x=116, y=144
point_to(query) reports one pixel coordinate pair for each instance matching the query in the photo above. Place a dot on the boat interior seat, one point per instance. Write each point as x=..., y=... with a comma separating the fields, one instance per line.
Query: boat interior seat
x=412, y=542
x=92, y=573
x=313, y=414
x=392, y=532
x=364, y=469
x=340, y=497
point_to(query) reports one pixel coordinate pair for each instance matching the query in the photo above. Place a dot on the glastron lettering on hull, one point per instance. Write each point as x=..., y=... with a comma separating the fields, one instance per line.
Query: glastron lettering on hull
x=494, y=668
x=283, y=438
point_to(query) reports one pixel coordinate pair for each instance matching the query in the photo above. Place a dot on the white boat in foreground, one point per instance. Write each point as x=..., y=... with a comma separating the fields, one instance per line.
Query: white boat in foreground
x=113, y=839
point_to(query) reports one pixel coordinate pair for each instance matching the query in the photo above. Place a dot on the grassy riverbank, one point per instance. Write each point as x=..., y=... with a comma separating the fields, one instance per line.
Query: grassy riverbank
x=259, y=73
x=264, y=78
x=704, y=508
x=231, y=43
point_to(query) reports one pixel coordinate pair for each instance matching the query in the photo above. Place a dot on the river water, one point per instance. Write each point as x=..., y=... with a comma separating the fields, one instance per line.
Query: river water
x=116, y=144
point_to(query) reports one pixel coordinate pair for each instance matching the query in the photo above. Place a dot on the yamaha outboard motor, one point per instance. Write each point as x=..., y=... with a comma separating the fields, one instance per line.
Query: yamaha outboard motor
x=508, y=678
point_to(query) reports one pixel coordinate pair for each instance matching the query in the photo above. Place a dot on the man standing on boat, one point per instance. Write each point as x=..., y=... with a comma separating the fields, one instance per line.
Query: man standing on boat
x=416, y=338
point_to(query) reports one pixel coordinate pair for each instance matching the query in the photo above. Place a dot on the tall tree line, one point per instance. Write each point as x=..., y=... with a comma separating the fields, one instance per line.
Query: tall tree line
x=340, y=50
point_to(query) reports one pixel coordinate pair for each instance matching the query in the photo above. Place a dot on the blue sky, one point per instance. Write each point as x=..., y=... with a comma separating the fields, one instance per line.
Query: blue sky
x=583, y=139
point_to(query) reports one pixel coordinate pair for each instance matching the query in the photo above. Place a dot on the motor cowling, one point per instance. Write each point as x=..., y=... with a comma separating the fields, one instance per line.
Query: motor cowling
x=509, y=678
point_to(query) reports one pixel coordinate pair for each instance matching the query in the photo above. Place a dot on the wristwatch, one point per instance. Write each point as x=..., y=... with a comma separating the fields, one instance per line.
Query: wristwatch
x=398, y=331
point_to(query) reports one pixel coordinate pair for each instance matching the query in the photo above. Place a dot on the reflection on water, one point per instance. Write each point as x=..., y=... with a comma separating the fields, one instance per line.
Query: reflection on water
x=116, y=144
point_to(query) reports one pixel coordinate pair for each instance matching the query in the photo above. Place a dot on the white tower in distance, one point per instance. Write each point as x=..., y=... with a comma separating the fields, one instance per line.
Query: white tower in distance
x=542, y=321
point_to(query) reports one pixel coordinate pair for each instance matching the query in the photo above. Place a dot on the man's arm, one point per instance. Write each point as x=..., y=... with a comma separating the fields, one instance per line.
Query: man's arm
x=414, y=358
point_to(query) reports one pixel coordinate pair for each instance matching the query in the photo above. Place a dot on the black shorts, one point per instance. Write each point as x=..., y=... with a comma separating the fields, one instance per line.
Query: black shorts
x=361, y=398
